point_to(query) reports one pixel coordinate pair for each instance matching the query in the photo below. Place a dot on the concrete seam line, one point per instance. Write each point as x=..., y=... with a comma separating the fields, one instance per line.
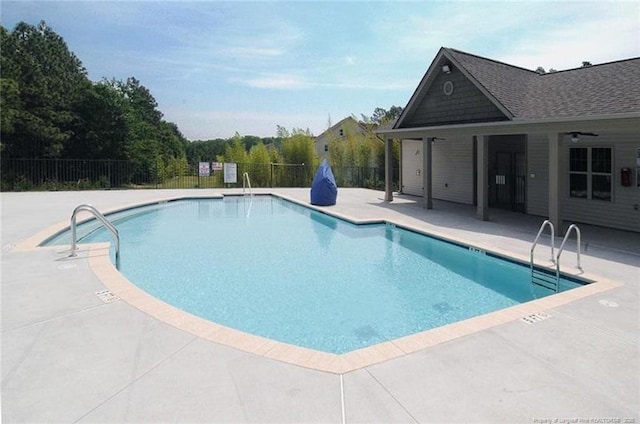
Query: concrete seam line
x=344, y=420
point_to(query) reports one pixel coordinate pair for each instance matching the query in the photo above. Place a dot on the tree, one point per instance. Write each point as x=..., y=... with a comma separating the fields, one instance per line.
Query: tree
x=152, y=143
x=298, y=149
x=101, y=128
x=207, y=150
x=381, y=117
x=259, y=165
x=235, y=152
x=44, y=84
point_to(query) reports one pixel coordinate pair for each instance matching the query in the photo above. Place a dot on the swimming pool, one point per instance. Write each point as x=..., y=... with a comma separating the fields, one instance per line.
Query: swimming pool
x=276, y=269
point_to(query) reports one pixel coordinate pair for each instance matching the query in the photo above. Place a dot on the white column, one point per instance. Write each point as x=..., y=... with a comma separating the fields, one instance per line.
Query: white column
x=427, y=172
x=388, y=170
x=482, y=169
x=555, y=181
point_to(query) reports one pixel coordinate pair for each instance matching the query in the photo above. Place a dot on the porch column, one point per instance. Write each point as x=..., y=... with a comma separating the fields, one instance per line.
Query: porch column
x=555, y=187
x=482, y=168
x=388, y=170
x=427, y=172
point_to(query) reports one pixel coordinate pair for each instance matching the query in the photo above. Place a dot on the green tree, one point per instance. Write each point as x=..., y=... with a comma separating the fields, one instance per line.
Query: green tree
x=207, y=150
x=381, y=117
x=44, y=84
x=259, y=165
x=298, y=149
x=101, y=131
x=235, y=152
x=152, y=143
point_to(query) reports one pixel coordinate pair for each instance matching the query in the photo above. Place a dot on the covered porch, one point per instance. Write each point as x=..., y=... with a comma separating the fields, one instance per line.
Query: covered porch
x=549, y=137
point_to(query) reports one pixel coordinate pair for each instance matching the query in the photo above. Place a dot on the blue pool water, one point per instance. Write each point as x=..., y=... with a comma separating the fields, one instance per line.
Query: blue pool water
x=276, y=269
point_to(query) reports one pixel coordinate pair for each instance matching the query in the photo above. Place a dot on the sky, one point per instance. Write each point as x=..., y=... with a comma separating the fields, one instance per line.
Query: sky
x=217, y=68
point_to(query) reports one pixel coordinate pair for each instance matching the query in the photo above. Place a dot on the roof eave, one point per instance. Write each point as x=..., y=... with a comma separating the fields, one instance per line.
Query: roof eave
x=445, y=52
x=629, y=120
x=419, y=89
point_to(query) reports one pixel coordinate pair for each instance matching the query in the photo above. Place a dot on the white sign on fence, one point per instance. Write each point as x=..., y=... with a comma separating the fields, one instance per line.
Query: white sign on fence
x=230, y=173
x=203, y=169
x=216, y=166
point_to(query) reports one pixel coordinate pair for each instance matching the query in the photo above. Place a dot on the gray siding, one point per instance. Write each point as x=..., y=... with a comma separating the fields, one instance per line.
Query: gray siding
x=467, y=104
x=453, y=170
x=619, y=213
x=538, y=174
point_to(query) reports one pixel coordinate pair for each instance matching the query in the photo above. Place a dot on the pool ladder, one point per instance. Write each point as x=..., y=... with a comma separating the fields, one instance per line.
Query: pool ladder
x=99, y=217
x=246, y=183
x=546, y=279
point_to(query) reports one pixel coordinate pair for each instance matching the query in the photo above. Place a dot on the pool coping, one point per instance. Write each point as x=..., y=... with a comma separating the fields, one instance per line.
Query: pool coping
x=97, y=255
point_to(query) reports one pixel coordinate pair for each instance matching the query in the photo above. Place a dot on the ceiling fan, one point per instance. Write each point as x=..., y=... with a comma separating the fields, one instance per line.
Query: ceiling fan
x=575, y=135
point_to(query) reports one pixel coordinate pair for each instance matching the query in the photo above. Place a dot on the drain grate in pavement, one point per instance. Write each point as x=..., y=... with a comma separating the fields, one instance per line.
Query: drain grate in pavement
x=106, y=296
x=534, y=318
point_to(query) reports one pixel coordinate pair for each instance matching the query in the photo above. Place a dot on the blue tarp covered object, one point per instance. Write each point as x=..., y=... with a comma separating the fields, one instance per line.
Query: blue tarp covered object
x=324, y=190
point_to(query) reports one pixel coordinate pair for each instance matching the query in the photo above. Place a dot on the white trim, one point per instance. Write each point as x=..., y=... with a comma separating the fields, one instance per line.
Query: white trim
x=586, y=123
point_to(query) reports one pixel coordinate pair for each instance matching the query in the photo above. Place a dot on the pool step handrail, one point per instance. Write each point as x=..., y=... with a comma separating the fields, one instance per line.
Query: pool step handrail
x=553, y=238
x=246, y=182
x=100, y=217
x=575, y=228
x=542, y=278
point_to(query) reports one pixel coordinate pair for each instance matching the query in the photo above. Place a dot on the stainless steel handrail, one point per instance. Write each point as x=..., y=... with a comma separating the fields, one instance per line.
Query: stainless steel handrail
x=578, y=242
x=101, y=218
x=553, y=238
x=246, y=182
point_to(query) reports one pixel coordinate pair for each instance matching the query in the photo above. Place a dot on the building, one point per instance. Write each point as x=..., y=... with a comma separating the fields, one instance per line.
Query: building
x=347, y=127
x=563, y=145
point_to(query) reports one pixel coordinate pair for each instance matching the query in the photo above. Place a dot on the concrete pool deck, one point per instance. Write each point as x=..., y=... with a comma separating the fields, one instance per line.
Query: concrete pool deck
x=67, y=356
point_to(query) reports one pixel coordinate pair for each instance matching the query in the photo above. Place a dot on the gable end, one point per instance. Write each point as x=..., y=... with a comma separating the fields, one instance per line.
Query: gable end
x=466, y=104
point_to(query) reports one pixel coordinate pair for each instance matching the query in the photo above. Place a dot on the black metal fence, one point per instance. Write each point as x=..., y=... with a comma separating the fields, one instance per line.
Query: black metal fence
x=85, y=174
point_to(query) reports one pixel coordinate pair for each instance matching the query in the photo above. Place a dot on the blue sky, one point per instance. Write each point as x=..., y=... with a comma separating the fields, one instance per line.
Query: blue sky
x=220, y=67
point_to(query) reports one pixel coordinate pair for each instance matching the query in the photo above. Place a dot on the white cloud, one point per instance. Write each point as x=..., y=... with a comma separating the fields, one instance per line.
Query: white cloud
x=598, y=39
x=280, y=81
x=251, y=52
x=528, y=34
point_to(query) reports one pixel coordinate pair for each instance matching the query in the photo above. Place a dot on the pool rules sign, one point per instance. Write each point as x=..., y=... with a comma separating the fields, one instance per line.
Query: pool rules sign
x=230, y=173
x=203, y=169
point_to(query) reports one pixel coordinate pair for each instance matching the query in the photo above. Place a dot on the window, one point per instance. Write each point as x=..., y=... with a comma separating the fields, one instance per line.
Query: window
x=326, y=147
x=341, y=132
x=590, y=173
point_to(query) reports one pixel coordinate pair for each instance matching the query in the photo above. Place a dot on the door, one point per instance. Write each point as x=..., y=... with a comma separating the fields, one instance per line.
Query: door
x=412, y=182
x=502, y=181
x=508, y=180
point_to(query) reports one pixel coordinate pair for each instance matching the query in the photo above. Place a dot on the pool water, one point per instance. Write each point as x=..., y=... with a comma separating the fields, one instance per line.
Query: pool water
x=279, y=270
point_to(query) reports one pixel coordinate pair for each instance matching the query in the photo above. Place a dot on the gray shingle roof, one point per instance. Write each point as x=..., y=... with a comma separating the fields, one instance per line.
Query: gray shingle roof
x=609, y=88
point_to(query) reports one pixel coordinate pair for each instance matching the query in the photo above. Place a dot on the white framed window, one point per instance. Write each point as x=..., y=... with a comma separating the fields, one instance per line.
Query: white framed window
x=590, y=173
